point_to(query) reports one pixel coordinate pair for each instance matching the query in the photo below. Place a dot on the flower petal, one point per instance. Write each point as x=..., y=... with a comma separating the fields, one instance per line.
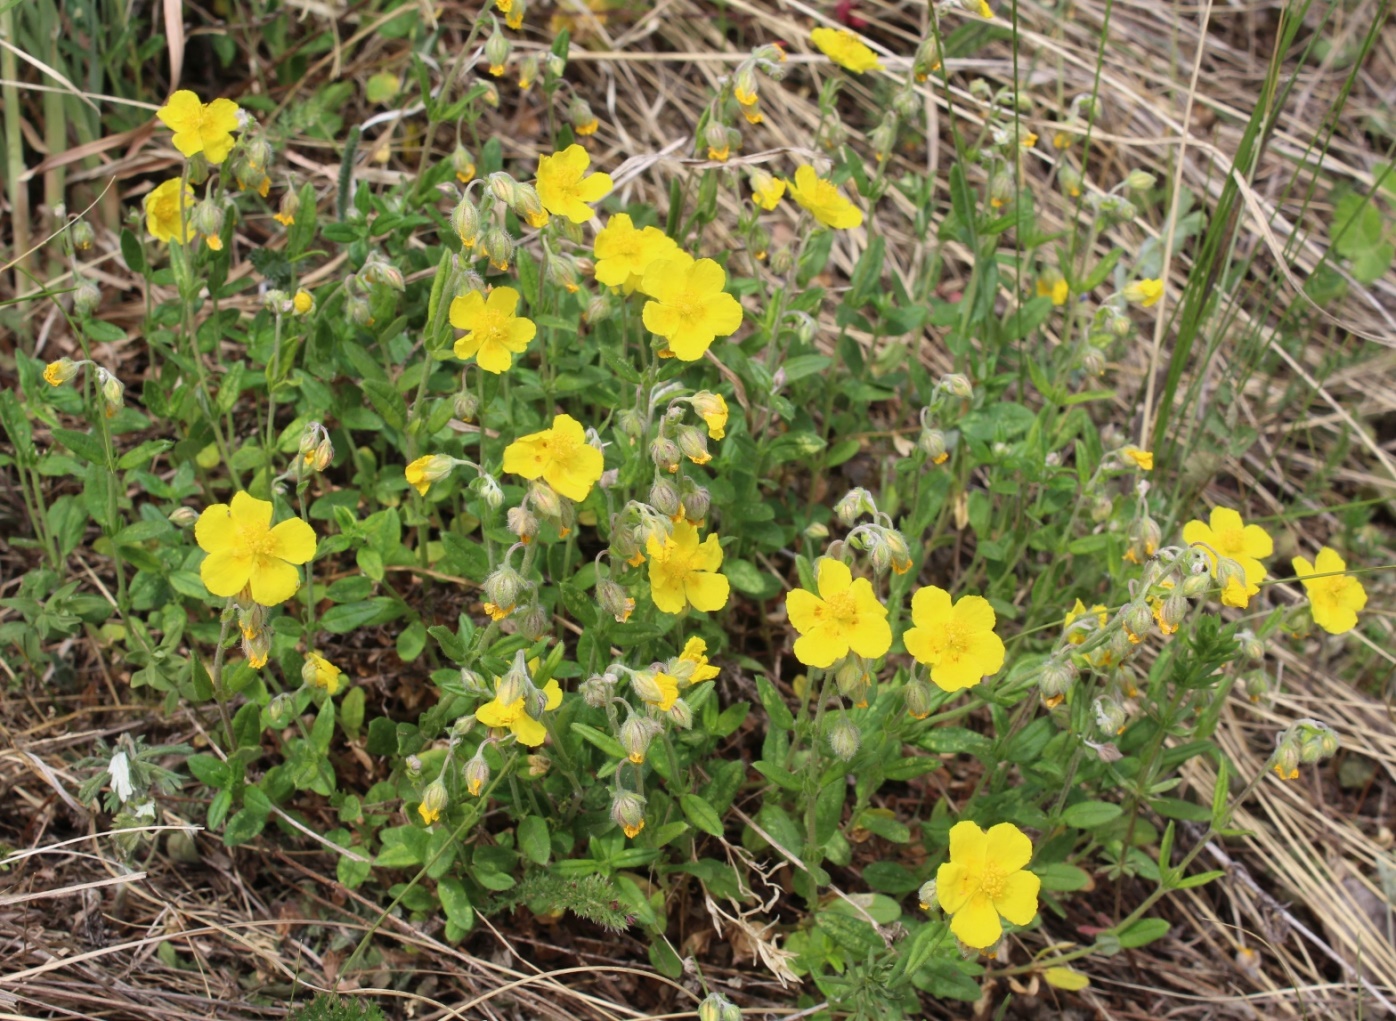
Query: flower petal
x=707, y=591
x=802, y=607
x=529, y=731
x=1257, y=542
x=974, y=613
x=952, y=890
x=968, y=843
x=250, y=514
x=820, y=647
x=496, y=714
x=872, y=637
x=225, y=573
x=930, y=606
x=1008, y=847
x=1224, y=519
x=977, y=923
x=293, y=541
x=832, y=576
x=273, y=581
x=1018, y=902
x=465, y=310
x=215, y=529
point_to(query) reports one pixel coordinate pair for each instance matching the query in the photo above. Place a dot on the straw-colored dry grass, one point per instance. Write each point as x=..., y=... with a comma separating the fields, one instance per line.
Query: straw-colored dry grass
x=1301, y=926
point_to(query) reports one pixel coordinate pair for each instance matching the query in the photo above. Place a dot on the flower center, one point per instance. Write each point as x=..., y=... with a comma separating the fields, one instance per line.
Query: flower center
x=491, y=327
x=1231, y=543
x=254, y=543
x=689, y=306
x=841, y=609
x=956, y=640
x=992, y=881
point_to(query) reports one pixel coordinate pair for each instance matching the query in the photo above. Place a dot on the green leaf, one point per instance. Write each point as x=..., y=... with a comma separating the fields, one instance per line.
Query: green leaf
x=601, y=740
x=775, y=706
x=1200, y=879
x=534, y=841
x=1062, y=877
x=243, y=826
x=351, y=712
x=750, y=580
x=1087, y=815
x=456, y=902
x=701, y=815
x=341, y=620
x=209, y=770
x=1143, y=932
x=132, y=253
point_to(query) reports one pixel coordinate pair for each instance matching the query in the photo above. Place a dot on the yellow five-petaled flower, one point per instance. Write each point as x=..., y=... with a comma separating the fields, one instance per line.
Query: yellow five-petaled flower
x=846, y=615
x=1229, y=536
x=683, y=571
x=1335, y=600
x=495, y=333
x=564, y=191
x=162, y=212
x=623, y=252
x=956, y=641
x=560, y=456
x=690, y=308
x=200, y=127
x=824, y=201
x=514, y=718
x=845, y=49
x=984, y=879
x=246, y=552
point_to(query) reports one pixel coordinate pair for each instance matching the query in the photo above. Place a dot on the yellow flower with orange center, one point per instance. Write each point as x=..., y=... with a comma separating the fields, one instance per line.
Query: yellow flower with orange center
x=683, y=571
x=845, y=616
x=1227, y=535
x=560, y=456
x=690, y=309
x=494, y=331
x=246, y=552
x=564, y=190
x=1334, y=600
x=985, y=879
x=956, y=640
x=824, y=200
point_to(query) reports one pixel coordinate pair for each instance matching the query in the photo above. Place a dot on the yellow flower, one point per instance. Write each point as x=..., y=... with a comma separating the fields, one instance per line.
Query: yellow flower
x=695, y=652
x=560, y=455
x=690, y=308
x=1333, y=601
x=1142, y=459
x=845, y=615
x=956, y=641
x=162, y=212
x=498, y=612
x=824, y=201
x=845, y=49
x=766, y=191
x=321, y=672
x=245, y=550
x=59, y=372
x=712, y=408
x=1052, y=284
x=985, y=878
x=200, y=127
x=434, y=801
x=562, y=188
x=1079, y=635
x=588, y=127
x=302, y=303
x=494, y=333
x=659, y=689
x=1230, y=537
x=719, y=154
x=683, y=571
x=1144, y=293
x=623, y=252
x=985, y=11
x=513, y=717
x=422, y=472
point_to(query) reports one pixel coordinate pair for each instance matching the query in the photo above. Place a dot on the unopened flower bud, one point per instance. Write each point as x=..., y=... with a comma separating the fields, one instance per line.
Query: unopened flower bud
x=462, y=165
x=113, y=391
x=696, y=501
x=1256, y=685
x=534, y=624
x=600, y=308
x=358, y=310
x=665, y=454
x=281, y=710
x=716, y=1007
x=490, y=491
x=529, y=206
x=844, y=738
x=854, y=504
x=413, y=768
x=664, y=497
x=628, y=812
x=58, y=372
x=816, y=531
x=466, y=405
x=1285, y=760
x=1140, y=180
x=1056, y=679
x=528, y=72
x=636, y=733
x=645, y=685
x=716, y=139
x=522, y=522
x=183, y=517
x=919, y=698
x=1137, y=621
x=933, y=445
x=883, y=137
x=595, y=691
x=86, y=297
x=693, y=441
x=613, y=600
x=1071, y=182
x=581, y=118
x=538, y=766
x=502, y=589
x=465, y=221
x=544, y=499
x=80, y=232
x=1229, y=572
x=556, y=65
x=1251, y=646
x=1109, y=715
x=681, y=714
x=498, y=247
x=497, y=49
x=926, y=896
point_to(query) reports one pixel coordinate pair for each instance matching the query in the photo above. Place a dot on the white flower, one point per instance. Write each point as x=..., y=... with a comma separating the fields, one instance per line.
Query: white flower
x=119, y=769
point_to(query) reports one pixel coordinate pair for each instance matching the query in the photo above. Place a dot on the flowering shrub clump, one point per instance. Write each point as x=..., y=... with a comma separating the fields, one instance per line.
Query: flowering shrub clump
x=570, y=445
